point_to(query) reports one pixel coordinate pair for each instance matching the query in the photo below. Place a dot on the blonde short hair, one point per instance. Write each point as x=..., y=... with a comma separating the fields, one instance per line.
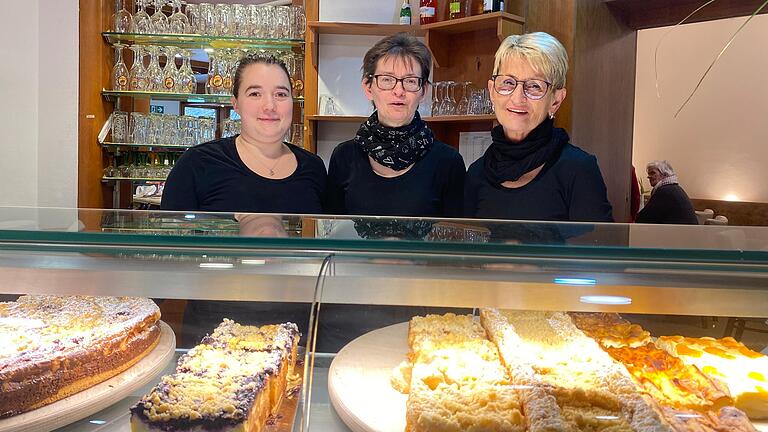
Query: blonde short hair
x=543, y=51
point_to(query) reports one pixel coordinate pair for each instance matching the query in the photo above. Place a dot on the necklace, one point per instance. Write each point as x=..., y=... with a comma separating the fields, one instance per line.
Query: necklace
x=272, y=169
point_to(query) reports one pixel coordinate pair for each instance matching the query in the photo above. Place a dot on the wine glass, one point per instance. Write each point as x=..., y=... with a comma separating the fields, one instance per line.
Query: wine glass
x=462, y=108
x=178, y=23
x=119, y=71
x=436, y=99
x=187, y=82
x=138, y=75
x=170, y=73
x=154, y=73
x=141, y=20
x=122, y=19
x=159, y=20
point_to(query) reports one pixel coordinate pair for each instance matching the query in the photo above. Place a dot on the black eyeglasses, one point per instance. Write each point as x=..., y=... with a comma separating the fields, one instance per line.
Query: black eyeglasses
x=388, y=82
x=534, y=89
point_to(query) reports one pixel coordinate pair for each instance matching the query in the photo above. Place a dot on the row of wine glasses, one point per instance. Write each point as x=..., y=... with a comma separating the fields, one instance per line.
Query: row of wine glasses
x=469, y=101
x=141, y=165
x=149, y=76
x=258, y=21
x=161, y=129
x=222, y=64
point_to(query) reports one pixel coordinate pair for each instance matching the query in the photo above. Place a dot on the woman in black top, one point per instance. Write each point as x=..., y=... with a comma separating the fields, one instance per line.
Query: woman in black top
x=531, y=171
x=394, y=166
x=669, y=204
x=256, y=171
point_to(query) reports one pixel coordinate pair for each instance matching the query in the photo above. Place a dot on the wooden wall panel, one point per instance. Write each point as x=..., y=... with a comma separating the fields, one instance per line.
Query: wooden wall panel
x=93, y=111
x=603, y=91
x=557, y=18
x=737, y=212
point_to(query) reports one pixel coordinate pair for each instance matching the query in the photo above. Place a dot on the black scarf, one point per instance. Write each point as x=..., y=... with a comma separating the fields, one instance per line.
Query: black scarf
x=396, y=148
x=506, y=160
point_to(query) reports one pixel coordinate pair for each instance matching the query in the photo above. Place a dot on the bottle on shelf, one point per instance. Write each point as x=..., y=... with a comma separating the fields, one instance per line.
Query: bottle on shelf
x=493, y=6
x=455, y=9
x=473, y=7
x=427, y=11
x=405, y=13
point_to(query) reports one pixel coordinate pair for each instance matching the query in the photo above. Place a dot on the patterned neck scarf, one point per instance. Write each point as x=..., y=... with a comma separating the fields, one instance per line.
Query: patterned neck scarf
x=668, y=180
x=395, y=147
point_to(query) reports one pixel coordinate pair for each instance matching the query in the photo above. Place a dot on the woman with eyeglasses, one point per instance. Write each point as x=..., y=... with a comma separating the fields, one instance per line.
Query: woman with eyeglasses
x=394, y=166
x=531, y=171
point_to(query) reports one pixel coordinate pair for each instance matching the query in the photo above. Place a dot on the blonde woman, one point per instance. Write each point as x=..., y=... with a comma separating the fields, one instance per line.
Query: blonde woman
x=531, y=170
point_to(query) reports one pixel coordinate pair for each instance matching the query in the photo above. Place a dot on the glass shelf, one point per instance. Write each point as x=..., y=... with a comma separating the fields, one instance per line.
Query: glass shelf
x=222, y=99
x=145, y=179
x=200, y=41
x=139, y=145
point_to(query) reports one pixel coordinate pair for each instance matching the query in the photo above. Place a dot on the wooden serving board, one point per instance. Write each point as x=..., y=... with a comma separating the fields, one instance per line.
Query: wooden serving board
x=98, y=397
x=359, y=381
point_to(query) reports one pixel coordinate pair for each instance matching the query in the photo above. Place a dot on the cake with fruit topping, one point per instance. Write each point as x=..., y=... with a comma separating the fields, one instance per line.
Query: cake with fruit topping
x=232, y=381
x=52, y=347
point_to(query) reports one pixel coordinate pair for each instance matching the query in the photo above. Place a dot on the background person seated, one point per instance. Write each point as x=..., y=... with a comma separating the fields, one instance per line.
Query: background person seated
x=669, y=204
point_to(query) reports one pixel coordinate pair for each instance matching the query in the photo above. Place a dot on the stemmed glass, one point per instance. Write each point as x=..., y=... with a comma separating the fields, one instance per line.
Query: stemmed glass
x=215, y=80
x=159, y=20
x=436, y=98
x=154, y=73
x=170, y=73
x=138, y=74
x=178, y=23
x=122, y=19
x=141, y=20
x=462, y=108
x=119, y=71
x=187, y=82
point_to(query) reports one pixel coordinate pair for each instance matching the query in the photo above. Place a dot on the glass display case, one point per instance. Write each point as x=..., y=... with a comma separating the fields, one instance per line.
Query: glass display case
x=352, y=285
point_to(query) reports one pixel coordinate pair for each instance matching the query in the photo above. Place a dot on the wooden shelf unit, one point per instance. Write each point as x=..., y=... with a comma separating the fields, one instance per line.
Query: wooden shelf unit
x=361, y=29
x=469, y=58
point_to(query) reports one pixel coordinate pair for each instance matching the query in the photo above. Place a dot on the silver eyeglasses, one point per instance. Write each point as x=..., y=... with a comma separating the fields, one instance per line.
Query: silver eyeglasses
x=534, y=89
x=388, y=82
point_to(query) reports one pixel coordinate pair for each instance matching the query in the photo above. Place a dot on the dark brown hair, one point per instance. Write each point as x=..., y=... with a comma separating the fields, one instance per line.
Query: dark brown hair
x=400, y=45
x=257, y=59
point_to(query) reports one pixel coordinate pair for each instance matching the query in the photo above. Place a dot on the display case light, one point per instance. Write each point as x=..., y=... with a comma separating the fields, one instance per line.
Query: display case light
x=189, y=216
x=253, y=261
x=214, y=265
x=575, y=281
x=687, y=415
x=605, y=300
x=97, y=422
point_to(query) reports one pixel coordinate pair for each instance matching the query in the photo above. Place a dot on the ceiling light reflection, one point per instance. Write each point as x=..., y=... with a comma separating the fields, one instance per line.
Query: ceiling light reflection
x=605, y=300
x=213, y=265
x=575, y=281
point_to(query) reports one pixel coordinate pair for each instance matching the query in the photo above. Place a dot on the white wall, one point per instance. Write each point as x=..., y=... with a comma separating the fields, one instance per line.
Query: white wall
x=38, y=114
x=58, y=61
x=19, y=107
x=718, y=144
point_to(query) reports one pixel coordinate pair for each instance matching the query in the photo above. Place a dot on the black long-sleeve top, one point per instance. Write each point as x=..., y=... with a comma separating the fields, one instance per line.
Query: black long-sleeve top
x=669, y=204
x=433, y=187
x=212, y=177
x=569, y=188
